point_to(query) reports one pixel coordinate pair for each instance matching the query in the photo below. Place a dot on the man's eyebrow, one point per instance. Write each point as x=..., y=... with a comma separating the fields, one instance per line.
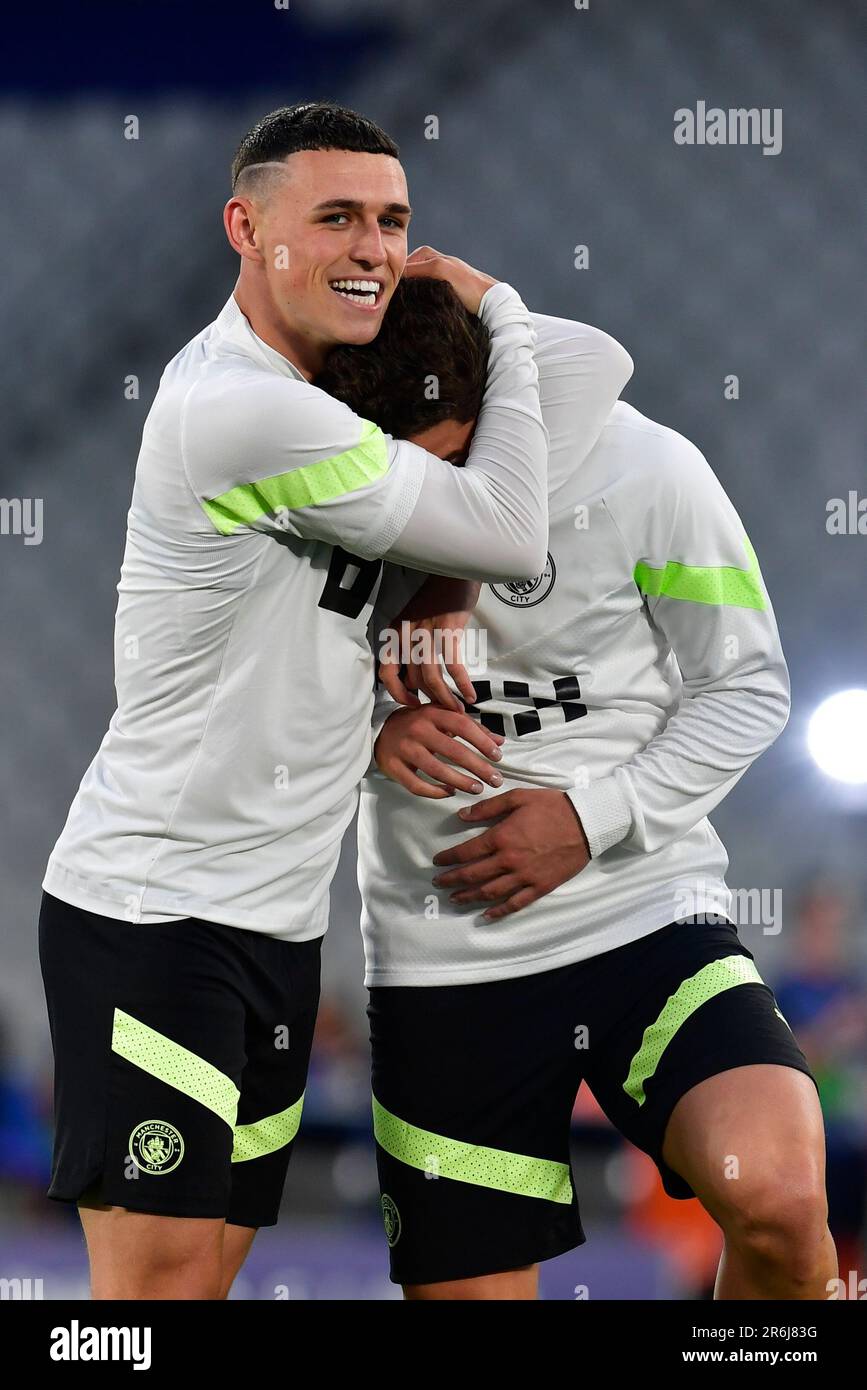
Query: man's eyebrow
x=357, y=206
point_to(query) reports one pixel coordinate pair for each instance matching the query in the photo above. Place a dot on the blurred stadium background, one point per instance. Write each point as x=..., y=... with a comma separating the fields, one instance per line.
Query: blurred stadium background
x=555, y=130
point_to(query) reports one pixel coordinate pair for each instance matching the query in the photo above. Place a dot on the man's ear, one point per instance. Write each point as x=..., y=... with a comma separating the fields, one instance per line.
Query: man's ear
x=241, y=223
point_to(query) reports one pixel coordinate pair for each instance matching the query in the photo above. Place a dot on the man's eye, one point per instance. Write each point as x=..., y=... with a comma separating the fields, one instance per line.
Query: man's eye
x=393, y=221
x=333, y=216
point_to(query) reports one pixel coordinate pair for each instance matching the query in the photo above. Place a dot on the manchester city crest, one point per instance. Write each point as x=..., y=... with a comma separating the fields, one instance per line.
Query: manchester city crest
x=155, y=1146
x=526, y=593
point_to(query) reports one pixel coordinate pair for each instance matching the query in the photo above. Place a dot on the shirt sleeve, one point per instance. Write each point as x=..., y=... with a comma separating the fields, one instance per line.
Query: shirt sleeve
x=704, y=594
x=274, y=454
x=582, y=372
x=396, y=589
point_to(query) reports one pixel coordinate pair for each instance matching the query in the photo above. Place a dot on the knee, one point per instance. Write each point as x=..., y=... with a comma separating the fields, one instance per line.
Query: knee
x=140, y=1257
x=779, y=1223
x=183, y=1275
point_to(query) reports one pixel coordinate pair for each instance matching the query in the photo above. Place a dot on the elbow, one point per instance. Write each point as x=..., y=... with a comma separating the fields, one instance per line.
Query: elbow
x=520, y=563
x=532, y=559
x=780, y=699
x=622, y=366
x=781, y=709
x=776, y=706
x=619, y=364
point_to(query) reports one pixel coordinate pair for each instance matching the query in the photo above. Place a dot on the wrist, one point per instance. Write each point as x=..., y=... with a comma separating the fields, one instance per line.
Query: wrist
x=604, y=813
x=582, y=836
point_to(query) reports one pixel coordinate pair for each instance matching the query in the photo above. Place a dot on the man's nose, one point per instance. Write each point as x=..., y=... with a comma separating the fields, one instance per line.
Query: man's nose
x=368, y=245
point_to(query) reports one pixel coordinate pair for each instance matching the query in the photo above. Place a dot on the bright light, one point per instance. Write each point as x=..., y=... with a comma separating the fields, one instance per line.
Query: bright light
x=837, y=736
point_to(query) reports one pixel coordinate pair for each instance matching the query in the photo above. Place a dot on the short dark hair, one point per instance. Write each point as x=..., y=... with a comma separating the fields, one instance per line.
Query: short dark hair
x=309, y=125
x=427, y=338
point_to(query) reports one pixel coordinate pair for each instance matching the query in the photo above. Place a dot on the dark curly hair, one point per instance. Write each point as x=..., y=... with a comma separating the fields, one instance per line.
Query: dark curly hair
x=428, y=362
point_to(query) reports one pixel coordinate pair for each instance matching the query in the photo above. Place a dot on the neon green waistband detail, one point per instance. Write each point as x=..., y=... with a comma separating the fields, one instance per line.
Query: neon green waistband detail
x=267, y=1135
x=473, y=1163
x=308, y=486
x=175, y=1065
x=711, y=980
x=719, y=586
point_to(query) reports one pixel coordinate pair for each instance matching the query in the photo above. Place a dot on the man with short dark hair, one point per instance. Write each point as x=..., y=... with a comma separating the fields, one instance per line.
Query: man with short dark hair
x=629, y=686
x=187, y=895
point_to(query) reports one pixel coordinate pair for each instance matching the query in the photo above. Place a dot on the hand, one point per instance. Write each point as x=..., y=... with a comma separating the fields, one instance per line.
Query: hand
x=427, y=740
x=469, y=285
x=537, y=844
x=430, y=629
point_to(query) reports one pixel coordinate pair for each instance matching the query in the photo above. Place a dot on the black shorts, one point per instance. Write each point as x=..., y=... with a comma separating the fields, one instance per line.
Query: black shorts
x=474, y=1087
x=180, y=1056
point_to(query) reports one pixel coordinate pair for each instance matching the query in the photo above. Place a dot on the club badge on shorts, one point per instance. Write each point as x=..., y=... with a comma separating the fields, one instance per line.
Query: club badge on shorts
x=391, y=1217
x=156, y=1147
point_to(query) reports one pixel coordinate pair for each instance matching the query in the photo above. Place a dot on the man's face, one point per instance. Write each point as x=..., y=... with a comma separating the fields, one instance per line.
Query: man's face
x=449, y=440
x=335, y=216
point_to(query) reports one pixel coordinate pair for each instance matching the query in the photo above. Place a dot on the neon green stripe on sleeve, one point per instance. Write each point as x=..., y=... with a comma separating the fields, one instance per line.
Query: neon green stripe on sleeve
x=718, y=585
x=308, y=486
x=473, y=1163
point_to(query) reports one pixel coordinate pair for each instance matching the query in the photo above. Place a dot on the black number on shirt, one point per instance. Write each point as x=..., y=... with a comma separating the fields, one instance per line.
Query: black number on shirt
x=349, y=583
x=567, y=693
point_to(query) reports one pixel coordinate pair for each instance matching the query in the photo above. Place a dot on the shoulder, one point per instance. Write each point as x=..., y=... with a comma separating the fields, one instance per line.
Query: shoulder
x=651, y=456
x=231, y=400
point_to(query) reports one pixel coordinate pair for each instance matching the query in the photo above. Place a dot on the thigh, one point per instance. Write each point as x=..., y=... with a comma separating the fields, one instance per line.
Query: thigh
x=136, y=1255
x=473, y=1088
x=282, y=999
x=731, y=1136
x=687, y=1004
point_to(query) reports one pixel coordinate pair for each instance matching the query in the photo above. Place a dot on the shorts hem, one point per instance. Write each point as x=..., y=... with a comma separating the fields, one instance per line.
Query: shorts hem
x=480, y=1269
x=255, y=1223
x=148, y=1206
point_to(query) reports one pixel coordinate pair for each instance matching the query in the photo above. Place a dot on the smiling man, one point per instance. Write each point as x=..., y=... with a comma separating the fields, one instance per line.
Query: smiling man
x=187, y=895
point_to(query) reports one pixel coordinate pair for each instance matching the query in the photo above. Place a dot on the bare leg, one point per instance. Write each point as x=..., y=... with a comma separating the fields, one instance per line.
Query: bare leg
x=236, y=1247
x=750, y=1142
x=515, y=1284
x=135, y=1255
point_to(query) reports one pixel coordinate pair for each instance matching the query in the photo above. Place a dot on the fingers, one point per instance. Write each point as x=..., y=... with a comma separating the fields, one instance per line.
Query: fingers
x=491, y=808
x=405, y=777
x=464, y=727
x=522, y=898
x=421, y=256
x=457, y=725
x=503, y=887
x=452, y=751
x=429, y=764
x=431, y=680
x=467, y=850
x=389, y=675
x=480, y=871
x=461, y=678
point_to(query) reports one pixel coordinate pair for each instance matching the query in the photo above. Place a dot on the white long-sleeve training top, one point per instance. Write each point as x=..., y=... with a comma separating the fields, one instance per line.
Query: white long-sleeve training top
x=260, y=513
x=641, y=672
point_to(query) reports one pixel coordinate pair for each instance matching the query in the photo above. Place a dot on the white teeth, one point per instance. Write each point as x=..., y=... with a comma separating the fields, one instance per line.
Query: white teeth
x=359, y=291
x=366, y=286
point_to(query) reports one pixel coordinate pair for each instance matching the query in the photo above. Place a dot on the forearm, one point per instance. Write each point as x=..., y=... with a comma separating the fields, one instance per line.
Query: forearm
x=489, y=520
x=686, y=771
x=582, y=371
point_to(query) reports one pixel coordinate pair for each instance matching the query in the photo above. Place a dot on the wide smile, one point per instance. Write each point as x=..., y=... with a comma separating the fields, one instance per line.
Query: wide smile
x=364, y=293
